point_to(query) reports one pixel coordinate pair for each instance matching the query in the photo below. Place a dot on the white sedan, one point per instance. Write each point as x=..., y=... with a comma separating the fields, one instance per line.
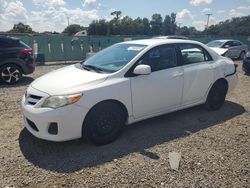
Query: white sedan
x=123, y=84
x=230, y=48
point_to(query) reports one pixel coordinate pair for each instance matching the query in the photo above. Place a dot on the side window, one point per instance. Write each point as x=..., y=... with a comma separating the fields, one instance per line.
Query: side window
x=228, y=44
x=192, y=53
x=6, y=43
x=161, y=57
x=3, y=43
x=236, y=43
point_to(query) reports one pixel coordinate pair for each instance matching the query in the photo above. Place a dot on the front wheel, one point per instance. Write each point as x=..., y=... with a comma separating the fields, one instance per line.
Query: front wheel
x=216, y=96
x=10, y=73
x=103, y=123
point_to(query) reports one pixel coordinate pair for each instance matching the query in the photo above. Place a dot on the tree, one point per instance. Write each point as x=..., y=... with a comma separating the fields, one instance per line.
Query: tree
x=21, y=28
x=114, y=24
x=156, y=24
x=72, y=29
x=173, y=23
x=234, y=26
x=146, y=26
x=127, y=26
x=117, y=14
x=138, y=26
x=166, y=26
x=99, y=27
x=183, y=31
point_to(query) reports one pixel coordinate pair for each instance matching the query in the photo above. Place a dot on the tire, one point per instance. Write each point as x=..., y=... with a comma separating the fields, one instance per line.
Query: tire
x=217, y=95
x=10, y=73
x=104, y=123
x=242, y=55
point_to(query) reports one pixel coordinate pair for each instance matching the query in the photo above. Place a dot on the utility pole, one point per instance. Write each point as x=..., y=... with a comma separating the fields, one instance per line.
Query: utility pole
x=208, y=16
x=68, y=20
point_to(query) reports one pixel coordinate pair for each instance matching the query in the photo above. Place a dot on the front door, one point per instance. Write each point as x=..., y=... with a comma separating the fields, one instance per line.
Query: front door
x=162, y=89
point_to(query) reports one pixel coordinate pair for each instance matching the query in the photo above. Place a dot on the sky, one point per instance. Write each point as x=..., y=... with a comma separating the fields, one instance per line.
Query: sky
x=52, y=15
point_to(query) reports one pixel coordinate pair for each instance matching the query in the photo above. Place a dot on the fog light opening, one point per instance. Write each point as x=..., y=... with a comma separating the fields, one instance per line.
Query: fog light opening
x=53, y=128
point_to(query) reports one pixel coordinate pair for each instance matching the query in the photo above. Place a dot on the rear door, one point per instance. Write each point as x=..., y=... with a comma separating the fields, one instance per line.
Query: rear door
x=237, y=49
x=198, y=68
x=232, y=50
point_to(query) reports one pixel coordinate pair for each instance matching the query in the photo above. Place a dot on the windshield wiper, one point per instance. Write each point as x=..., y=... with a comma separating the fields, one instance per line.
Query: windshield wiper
x=91, y=67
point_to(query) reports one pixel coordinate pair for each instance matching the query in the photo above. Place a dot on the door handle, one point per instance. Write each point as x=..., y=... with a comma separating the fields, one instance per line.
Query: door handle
x=177, y=74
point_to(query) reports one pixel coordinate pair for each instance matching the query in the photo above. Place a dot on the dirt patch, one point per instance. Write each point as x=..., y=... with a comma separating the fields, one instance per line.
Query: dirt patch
x=214, y=148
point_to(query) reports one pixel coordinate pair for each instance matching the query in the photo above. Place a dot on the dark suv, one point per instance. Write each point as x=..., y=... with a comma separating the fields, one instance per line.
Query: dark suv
x=15, y=59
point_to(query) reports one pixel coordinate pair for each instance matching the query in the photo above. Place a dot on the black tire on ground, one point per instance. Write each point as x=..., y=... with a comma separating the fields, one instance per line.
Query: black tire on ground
x=10, y=73
x=217, y=95
x=104, y=123
x=242, y=55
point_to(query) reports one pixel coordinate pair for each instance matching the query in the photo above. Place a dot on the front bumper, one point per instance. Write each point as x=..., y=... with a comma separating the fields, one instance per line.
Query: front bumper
x=69, y=120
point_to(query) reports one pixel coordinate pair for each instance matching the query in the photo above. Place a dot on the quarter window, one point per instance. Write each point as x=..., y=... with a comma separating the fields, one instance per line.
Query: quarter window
x=161, y=57
x=192, y=53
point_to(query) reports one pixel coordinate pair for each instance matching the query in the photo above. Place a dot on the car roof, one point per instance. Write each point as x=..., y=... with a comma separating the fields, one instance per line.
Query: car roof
x=8, y=37
x=171, y=37
x=225, y=40
x=154, y=41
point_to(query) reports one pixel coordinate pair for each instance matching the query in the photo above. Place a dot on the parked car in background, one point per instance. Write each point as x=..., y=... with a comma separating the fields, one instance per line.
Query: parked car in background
x=125, y=83
x=15, y=59
x=233, y=49
x=246, y=63
x=171, y=37
x=79, y=34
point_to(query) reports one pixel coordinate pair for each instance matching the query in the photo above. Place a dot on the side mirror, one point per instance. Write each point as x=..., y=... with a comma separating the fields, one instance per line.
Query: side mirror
x=142, y=70
x=226, y=46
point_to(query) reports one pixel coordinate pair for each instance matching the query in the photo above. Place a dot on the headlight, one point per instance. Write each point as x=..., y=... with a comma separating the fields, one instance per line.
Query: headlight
x=248, y=54
x=59, y=101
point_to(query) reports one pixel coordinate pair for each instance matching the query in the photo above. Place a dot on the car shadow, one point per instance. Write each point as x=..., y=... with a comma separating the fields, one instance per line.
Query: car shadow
x=22, y=82
x=75, y=155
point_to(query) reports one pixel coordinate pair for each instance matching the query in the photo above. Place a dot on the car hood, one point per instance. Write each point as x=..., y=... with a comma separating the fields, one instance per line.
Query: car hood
x=67, y=80
x=219, y=51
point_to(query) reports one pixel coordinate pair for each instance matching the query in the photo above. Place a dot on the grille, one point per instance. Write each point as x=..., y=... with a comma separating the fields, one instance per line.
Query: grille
x=33, y=99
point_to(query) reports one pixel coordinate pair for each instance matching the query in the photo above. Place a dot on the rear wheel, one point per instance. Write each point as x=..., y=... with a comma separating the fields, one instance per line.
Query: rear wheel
x=103, y=123
x=10, y=73
x=242, y=55
x=217, y=95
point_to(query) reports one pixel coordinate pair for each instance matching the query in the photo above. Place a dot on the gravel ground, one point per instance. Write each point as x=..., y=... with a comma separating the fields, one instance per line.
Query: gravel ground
x=214, y=148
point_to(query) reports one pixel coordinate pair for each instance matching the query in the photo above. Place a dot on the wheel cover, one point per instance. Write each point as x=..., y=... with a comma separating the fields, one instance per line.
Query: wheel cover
x=10, y=74
x=106, y=124
x=242, y=55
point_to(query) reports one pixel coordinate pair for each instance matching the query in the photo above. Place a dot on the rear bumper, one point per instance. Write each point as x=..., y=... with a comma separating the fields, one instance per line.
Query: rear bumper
x=29, y=67
x=232, y=81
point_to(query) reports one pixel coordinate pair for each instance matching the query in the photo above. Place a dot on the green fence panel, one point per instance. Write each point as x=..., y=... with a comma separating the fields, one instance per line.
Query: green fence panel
x=77, y=50
x=63, y=48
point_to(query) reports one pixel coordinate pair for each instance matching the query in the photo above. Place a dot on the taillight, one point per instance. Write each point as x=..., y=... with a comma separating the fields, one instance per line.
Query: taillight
x=26, y=51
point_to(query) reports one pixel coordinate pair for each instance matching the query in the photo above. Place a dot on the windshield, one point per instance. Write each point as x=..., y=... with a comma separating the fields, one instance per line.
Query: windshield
x=215, y=43
x=113, y=58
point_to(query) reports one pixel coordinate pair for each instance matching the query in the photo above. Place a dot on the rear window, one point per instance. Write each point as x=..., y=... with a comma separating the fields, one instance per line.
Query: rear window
x=23, y=44
x=8, y=43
